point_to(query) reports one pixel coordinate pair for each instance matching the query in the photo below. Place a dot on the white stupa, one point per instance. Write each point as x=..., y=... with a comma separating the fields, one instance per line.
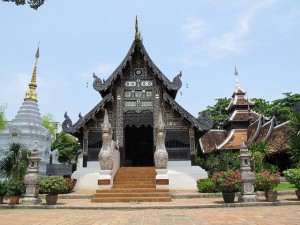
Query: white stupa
x=27, y=126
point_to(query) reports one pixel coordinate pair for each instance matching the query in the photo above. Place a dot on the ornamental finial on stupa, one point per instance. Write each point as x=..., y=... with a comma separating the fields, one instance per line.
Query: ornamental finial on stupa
x=137, y=33
x=31, y=93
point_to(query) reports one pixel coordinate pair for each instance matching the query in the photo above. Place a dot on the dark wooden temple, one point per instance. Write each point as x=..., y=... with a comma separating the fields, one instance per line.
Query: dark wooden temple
x=133, y=96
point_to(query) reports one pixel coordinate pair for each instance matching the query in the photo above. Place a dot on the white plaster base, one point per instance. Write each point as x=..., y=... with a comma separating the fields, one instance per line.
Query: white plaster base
x=161, y=175
x=184, y=176
x=105, y=175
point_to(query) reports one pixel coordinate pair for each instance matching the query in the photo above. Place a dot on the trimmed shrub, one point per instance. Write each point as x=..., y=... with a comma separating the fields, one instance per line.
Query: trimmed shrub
x=206, y=186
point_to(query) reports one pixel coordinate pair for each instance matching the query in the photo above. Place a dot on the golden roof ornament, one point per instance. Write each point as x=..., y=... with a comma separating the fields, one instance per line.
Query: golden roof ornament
x=137, y=33
x=31, y=93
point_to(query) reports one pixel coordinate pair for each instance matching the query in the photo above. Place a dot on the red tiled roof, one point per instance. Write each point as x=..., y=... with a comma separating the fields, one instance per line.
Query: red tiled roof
x=211, y=139
x=253, y=130
x=266, y=130
x=278, y=140
x=234, y=140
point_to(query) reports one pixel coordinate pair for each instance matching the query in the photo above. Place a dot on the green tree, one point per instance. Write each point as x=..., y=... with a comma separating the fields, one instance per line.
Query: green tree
x=259, y=150
x=68, y=147
x=218, y=112
x=47, y=121
x=294, y=146
x=34, y=4
x=15, y=164
x=3, y=121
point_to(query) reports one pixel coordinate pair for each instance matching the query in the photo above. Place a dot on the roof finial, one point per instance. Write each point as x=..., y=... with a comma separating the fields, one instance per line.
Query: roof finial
x=137, y=33
x=236, y=77
x=31, y=93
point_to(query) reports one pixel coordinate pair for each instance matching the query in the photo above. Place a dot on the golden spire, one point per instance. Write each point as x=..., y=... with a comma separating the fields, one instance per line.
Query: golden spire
x=236, y=77
x=31, y=93
x=137, y=33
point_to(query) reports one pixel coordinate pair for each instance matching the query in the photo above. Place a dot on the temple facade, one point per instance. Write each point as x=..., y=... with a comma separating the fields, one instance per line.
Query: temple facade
x=133, y=96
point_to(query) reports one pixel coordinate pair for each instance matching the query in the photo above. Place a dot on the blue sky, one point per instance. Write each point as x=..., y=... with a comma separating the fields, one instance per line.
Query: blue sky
x=204, y=39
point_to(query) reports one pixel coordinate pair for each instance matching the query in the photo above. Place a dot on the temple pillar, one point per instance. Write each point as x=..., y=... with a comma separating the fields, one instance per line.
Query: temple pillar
x=119, y=125
x=85, y=147
x=192, y=145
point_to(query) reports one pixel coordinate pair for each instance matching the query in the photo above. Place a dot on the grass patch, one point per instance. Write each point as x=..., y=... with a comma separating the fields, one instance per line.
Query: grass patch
x=285, y=187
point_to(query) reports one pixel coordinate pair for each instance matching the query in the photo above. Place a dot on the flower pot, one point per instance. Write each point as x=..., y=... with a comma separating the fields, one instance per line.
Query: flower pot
x=1, y=199
x=51, y=199
x=271, y=196
x=228, y=197
x=298, y=194
x=13, y=200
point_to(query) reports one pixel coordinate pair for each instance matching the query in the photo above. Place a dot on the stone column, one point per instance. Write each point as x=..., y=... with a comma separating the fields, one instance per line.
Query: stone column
x=161, y=155
x=32, y=179
x=248, y=177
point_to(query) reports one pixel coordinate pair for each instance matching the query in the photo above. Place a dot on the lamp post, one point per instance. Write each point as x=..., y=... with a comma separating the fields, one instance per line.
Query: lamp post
x=32, y=179
x=248, y=177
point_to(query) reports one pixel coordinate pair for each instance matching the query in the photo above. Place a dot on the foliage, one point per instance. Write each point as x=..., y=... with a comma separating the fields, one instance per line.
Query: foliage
x=47, y=121
x=3, y=121
x=223, y=161
x=206, y=186
x=293, y=176
x=259, y=151
x=14, y=165
x=34, y=4
x=68, y=147
x=227, y=181
x=2, y=188
x=217, y=112
x=265, y=181
x=14, y=187
x=54, y=185
x=294, y=145
x=71, y=184
x=281, y=108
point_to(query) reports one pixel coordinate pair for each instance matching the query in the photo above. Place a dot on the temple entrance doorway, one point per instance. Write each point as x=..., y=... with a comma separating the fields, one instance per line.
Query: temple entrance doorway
x=139, y=146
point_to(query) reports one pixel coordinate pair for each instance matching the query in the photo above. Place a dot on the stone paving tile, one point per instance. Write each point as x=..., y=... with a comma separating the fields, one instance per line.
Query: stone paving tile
x=255, y=215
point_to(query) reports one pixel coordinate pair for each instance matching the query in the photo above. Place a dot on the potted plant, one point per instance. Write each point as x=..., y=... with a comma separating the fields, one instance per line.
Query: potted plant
x=2, y=191
x=266, y=181
x=14, y=189
x=293, y=176
x=228, y=182
x=52, y=186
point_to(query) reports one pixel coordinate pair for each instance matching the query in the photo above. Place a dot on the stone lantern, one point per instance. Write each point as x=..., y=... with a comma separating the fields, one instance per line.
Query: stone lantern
x=32, y=179
x=248, y=177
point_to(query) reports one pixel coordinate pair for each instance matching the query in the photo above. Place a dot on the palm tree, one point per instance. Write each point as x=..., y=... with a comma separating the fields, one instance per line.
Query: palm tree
x=259, y=150
x=15, y=164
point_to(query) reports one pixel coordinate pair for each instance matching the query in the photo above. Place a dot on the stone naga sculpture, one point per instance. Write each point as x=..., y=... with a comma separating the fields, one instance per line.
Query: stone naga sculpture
x=106, y=154
x=161, y=154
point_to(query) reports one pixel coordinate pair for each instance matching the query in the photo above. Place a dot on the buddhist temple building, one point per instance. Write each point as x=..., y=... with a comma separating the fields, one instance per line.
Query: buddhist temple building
x=133, y=95
x=246, y=125
x=27, y=126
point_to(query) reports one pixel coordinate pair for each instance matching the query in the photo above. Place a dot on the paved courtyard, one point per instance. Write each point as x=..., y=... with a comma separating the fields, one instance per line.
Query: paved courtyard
x=289, y=214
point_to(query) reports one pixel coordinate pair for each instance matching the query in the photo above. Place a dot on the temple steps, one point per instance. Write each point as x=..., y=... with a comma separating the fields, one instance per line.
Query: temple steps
x=133, y=184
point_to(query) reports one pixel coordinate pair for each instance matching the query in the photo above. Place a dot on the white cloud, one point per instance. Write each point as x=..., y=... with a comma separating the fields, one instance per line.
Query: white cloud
x=194, y=28
x=102, y=70
x=233, y=37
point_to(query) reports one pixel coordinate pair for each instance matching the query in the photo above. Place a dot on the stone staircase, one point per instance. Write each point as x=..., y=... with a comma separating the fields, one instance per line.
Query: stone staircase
x=133, y=184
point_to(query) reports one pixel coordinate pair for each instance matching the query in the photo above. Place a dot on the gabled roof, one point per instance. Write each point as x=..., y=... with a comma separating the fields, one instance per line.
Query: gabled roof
x=67, y=125
x=253, y=130
x=234, y=140
x=103, y=87
x=211, y=139
x=239, y=99
x=279, y=139
x=266, y=130
x=202, y=123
